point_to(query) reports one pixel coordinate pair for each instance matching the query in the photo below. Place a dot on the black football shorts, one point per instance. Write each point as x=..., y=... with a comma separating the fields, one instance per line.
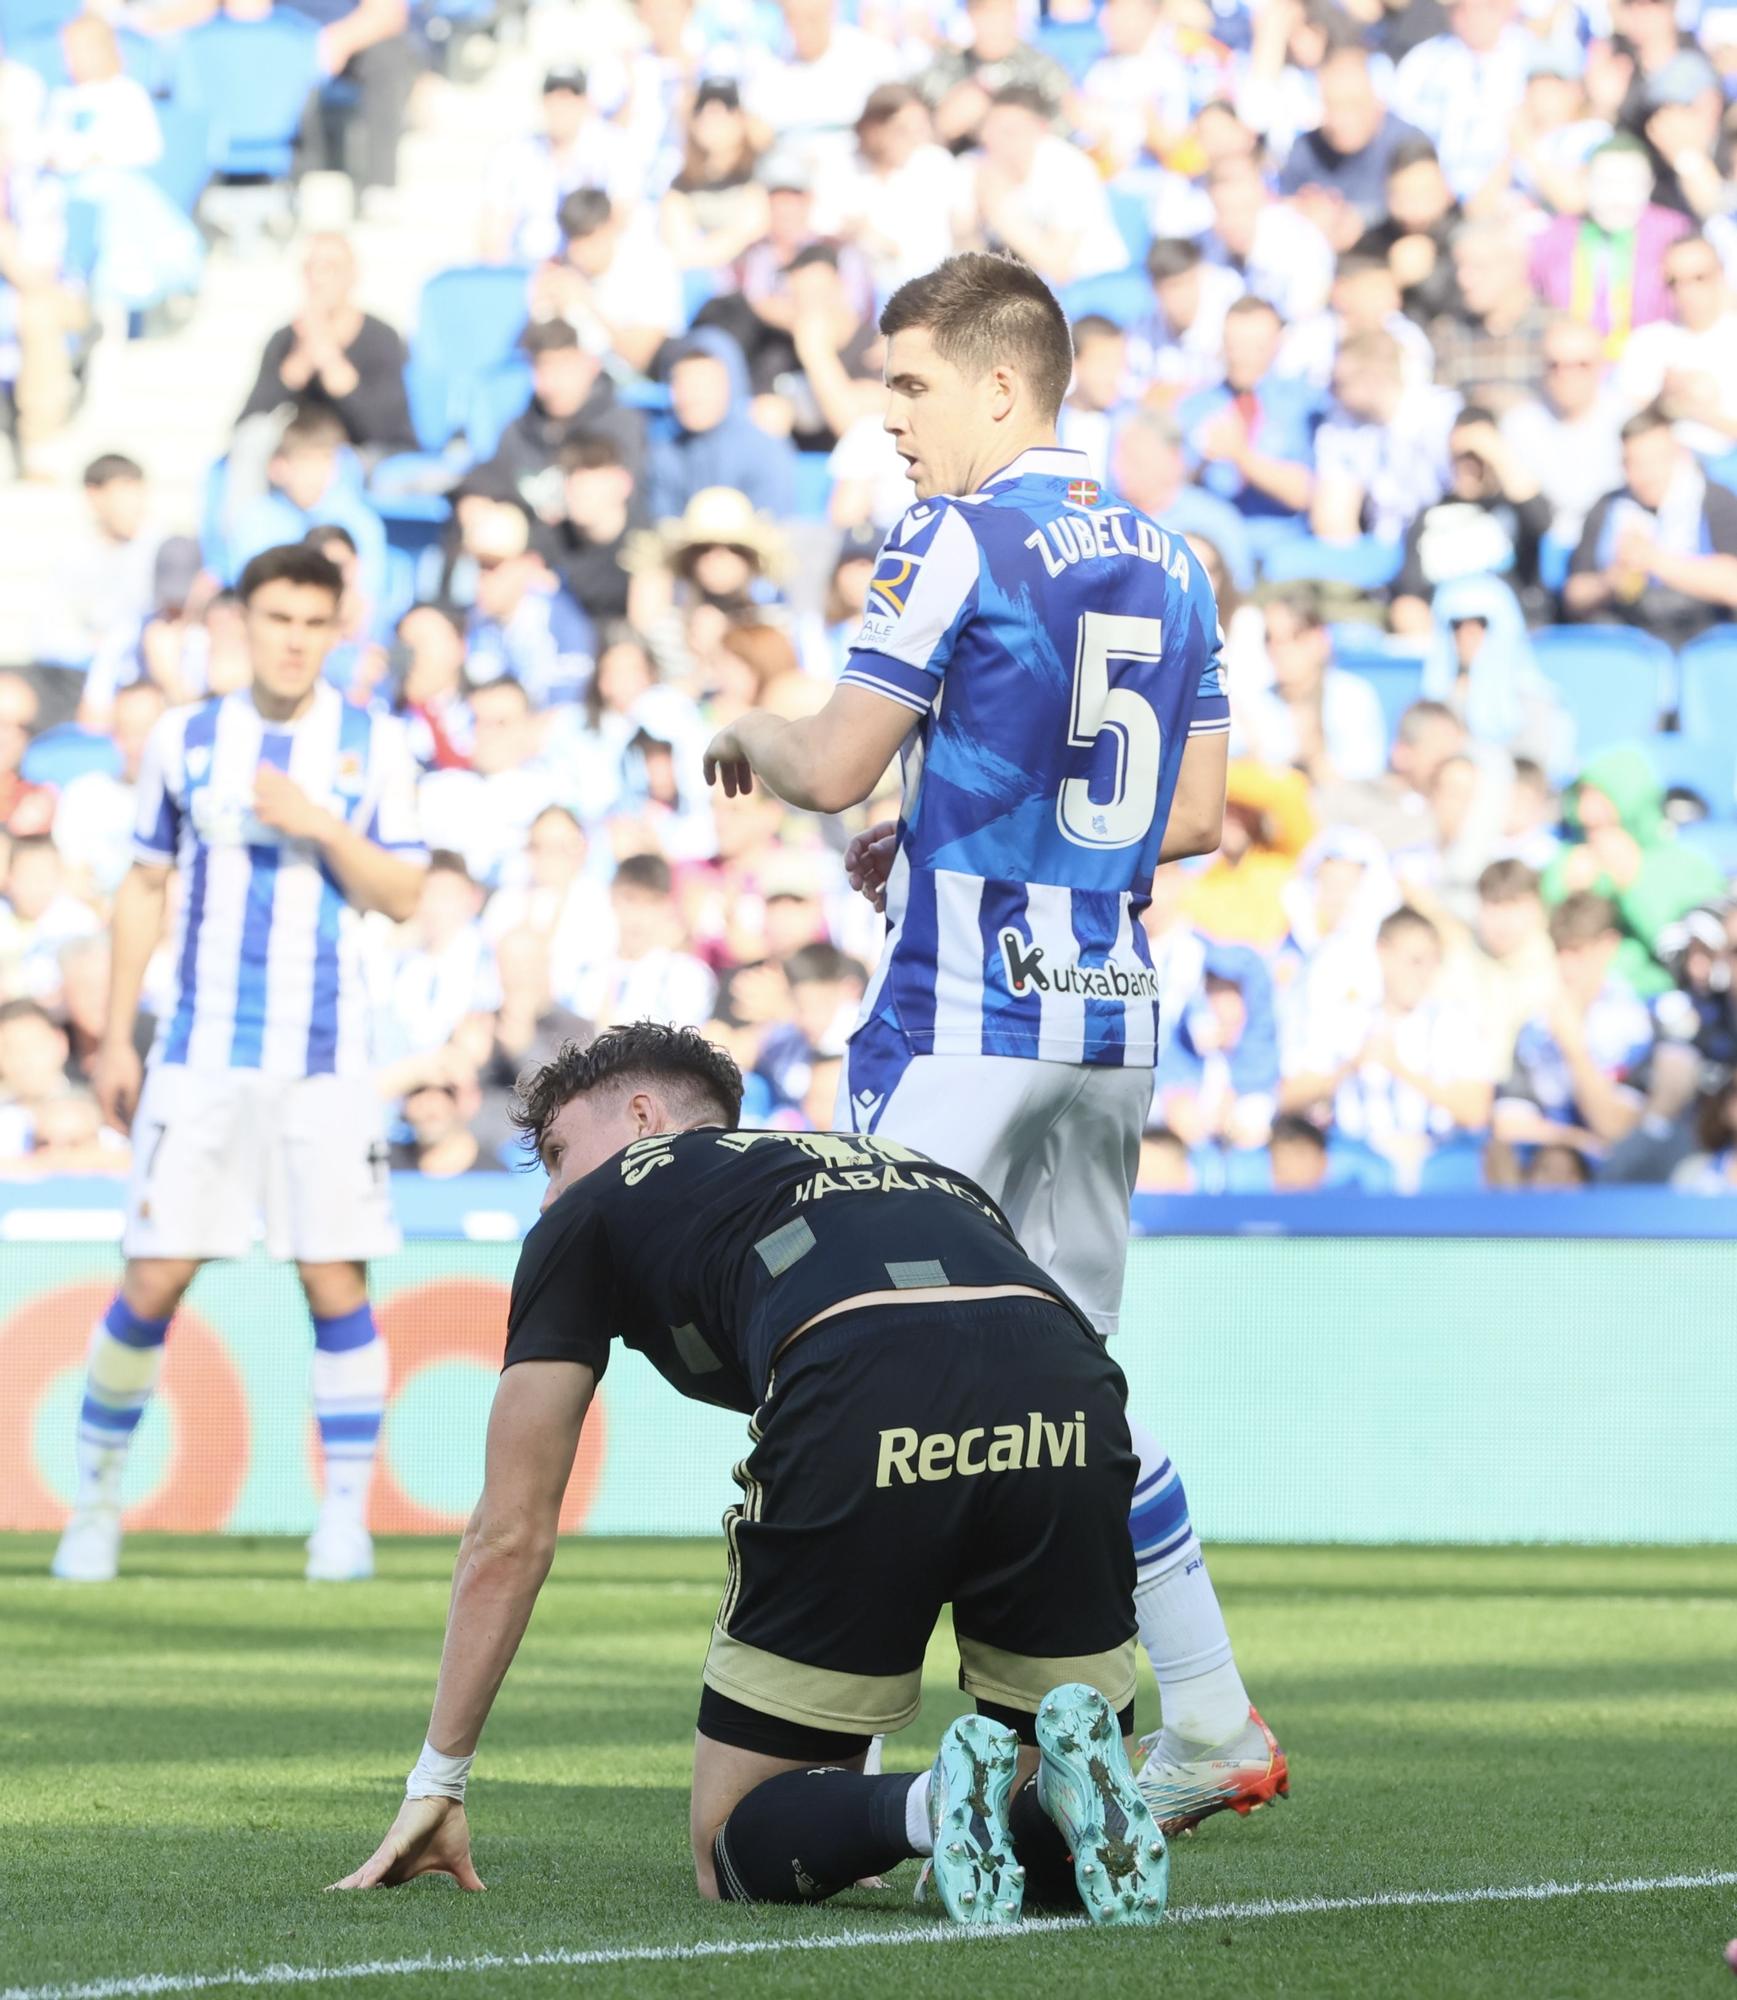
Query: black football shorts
x=909, y=1457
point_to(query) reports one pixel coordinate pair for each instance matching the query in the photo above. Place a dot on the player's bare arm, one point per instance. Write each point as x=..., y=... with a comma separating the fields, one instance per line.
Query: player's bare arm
x=140, y=904
x=370, y=877
x=1196, y=822
x=822, y=763
x=539, y=1411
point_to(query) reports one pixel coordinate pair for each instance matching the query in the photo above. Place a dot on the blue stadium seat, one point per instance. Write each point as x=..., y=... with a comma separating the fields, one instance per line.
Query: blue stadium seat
x=1124, y=296
x=153, y=60
x=1245, y=1170
x=41, y=51
x=467, y=325
x=253, y=80
x=1132, y=213
x=1351, y=1164
x=185, y=166
x=1076, y=45
x=22, y=18
x=1456, y=1166
x=1706, y=766
x=1708, y=671
x=698, y=288
x=1365, y=564
x=1717, y=839
x=1611, y=680
x=61, y=754
x=1553, y=560
x=1396, y=678
x=502, y=394
x=813, y=486
x=213, y=551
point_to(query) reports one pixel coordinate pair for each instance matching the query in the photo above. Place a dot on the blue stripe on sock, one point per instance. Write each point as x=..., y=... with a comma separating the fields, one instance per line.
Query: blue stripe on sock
x=346, y=1331
x=1152, y=1479
x=1145, y=1558
x=107, y=1418
x=121, y=1323
x=361, y=1429
x=1159, y=1518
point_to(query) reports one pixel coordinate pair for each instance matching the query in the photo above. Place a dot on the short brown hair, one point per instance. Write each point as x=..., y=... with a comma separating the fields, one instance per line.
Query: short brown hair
x=1507, y=881
x=983, y=307
x=699, y=1075
x=1583, y=918
x=291, y=562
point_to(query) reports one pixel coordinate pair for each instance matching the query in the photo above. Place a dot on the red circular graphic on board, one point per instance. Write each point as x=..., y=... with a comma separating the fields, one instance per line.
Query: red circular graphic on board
x=461, y=1319
x=209, y=1449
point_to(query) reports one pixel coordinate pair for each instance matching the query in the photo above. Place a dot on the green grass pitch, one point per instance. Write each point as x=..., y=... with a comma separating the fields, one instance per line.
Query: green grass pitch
x=191, y=1754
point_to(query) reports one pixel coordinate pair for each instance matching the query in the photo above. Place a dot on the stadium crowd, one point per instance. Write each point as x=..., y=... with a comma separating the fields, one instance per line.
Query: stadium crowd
x=1417, y=319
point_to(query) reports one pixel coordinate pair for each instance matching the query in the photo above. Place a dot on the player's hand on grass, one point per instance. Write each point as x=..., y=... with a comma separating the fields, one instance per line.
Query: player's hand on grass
x=727, y=764
x=116, y=1078
x=429, y=1837
x=868, y=861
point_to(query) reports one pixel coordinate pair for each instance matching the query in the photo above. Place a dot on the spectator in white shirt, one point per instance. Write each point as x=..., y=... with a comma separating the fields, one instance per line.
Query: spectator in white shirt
x=529, y=178
x=1404, y=1072
x=1179, y=347
x=1382, y=456
x=1277, y=251
x=812, y=92
x=561, y=900
x=614, y=281
x=485, y=812
x=1095, y=403
x=1313, y=715
x=1568, y=435
x=1134, y=101
x=1035, y=194
x=102, y=593
x=1686, y=362
x=93, y=819
x=649, y=978
x=896, y=199
x=38, y=916
x=443, y=971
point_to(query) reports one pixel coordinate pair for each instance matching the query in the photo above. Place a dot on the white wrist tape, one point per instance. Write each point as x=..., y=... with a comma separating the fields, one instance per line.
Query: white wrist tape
x=437, y=1776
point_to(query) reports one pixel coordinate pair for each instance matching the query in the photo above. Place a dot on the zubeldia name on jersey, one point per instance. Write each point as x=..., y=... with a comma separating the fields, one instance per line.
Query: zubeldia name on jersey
x=1065, y=539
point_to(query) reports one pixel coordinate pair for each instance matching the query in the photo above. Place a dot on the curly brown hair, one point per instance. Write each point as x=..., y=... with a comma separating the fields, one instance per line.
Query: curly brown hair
x=698, y=1077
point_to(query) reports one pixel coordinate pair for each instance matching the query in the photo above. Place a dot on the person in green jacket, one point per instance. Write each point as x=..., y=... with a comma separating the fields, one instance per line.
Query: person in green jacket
x=1629, y=851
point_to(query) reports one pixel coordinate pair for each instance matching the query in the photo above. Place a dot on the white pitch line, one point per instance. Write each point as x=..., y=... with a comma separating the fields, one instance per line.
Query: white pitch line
x=143, y=1986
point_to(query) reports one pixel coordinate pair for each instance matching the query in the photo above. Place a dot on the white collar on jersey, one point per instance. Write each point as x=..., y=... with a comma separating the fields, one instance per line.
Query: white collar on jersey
x=1043, y=461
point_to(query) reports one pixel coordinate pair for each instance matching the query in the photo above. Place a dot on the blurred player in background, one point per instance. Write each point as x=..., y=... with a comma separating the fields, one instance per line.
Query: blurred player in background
x=288, y=814
x=1060, y=653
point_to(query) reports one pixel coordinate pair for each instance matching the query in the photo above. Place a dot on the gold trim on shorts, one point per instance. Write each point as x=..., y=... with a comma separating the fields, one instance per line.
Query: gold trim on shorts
x=1017, y=1680
x=820, y=1697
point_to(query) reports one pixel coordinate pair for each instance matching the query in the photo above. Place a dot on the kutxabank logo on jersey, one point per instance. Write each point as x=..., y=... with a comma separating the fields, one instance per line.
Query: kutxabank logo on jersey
x=1028, y=972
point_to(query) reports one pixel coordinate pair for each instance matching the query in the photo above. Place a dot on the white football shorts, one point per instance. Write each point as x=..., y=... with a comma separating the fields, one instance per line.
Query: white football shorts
x=1056, y=1145
x=218, y=1153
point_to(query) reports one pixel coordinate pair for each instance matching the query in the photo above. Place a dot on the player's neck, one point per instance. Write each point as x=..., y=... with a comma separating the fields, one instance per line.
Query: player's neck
x=282, y=709
x=1006, y=449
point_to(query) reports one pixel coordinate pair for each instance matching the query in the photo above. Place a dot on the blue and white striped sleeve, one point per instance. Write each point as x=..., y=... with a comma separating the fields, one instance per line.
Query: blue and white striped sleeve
x=924, y=585
x=157, y=805
x=392, y=821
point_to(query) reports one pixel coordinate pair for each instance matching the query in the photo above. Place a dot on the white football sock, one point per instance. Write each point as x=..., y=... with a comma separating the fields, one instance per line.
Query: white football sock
x=349, y=1400
x=917, y=1815
x=122, y=1364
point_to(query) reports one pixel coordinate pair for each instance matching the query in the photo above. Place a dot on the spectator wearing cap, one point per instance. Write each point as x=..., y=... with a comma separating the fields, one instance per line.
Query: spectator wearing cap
x=571, y=398
x=1491, y=522
x=1177, y=348
x=1568, y=433
x=720, y=561
x=1685, y=363
x=102, y=588
x=1336, y=174
x=1659, y=553
x=714, y=441
x=1463, y=88
x=1311, y=716
x=613, y=281
x=1490, y=344
x=1606, y=268
x=599, y=509
x=894, y=201
x=314, y=483
x=1252, y=438
x=334, y=356
x=1381, y=455
x=524, y=625
x=528, y=178
x=810, y=92
x=963, y=80
x=1149, y=469
x=1031, y=191
x=714, y=209
x=1273, y=247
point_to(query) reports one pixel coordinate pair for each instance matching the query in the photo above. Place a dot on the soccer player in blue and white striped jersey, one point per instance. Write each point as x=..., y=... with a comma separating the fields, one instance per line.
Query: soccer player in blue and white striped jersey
x=1047, y=660
x=288, y=814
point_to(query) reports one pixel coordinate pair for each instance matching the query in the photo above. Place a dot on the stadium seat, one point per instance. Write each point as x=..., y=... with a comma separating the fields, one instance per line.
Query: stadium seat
x=1365, y=564
x=1245, y=1170
x=1706, y=766
x=213, y=548
x=1456, y=1166
x=61, y=754
x=467, y=325
x=1611, y=680
x=1352, y=1164
x=1717, y=839
x=1132, y=213
x=1708, y=679
x=252, y=79
x=502, y=394
x=20, y=19
x=1124, y=296
x=184, y=169
x=1553, y=560
x=40, y=51
x=813, y=485
x=1076, y=45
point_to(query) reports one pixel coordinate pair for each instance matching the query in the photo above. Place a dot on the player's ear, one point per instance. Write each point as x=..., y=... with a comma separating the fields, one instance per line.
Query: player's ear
x=645, y=1112
x=1004, y=388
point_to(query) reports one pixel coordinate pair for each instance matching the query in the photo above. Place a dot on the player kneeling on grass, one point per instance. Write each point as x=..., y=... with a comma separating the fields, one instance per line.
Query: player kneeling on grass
x=931, y=1422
